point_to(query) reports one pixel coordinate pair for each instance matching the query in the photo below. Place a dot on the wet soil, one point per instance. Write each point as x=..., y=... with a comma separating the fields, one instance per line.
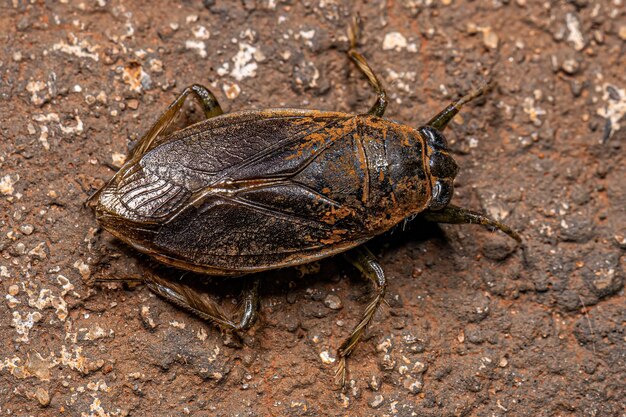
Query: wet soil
x=469, y=328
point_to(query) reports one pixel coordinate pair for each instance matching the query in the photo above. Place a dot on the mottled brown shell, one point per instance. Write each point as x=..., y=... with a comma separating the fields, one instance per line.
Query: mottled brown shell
x=257, y=190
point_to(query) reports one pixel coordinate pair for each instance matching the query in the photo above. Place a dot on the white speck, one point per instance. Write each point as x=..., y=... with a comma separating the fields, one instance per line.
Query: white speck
x=73, y=129
x=33, y=87
x=118, y=159
x=81, y=50
x=6, y=185
x=231, y=90
x=23, y=326
x=532, y=111
x=12, y=302
x=50, y=117
x=223, y=70
x=473, y=142
x=575, y=36
x=245, y=61
x=395, y=41
x=83, y=269
x=192, y=18
x=307, y=35
x=326, y=357
x=615, y=108
x=198, y=46
x=178, y=324
x=200, y=32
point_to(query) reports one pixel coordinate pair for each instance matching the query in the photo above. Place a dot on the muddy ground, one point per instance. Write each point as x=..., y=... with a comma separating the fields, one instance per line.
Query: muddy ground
x=469, y=329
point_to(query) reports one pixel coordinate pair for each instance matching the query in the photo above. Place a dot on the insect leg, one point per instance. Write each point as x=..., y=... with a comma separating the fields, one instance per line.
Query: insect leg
x=365, y=262
x=207, y=100
x=441, y=120
x=378, y=109
x=457, y=215
x=203, y=306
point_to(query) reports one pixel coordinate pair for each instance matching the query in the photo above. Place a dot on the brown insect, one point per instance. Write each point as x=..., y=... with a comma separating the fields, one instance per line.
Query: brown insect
x=256, y=190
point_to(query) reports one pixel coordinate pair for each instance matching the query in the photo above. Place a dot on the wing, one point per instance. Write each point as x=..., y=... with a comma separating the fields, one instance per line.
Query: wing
x=277, y=225
x=238, y=192
x=244, y=145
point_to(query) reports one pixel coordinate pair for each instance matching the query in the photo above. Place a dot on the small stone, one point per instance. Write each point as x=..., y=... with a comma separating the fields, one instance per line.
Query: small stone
x=377, y=401
x=374, y=383
x=14, y=290
x=133, y=104
x=577, y=228
x=490, y=38
x=576, y=87
x=231, y=90
x=326, y=357
x=39, y=251
x=27, y=229
x=118, y=159
x=498, y=247
x=620, y=239
x=570, y=66
x=20, y=249
x=333, y=302
x=622, y=32
x=83, y=269
x=414, y=386
x=147, y=319
x=42, y=396
x=394, y=41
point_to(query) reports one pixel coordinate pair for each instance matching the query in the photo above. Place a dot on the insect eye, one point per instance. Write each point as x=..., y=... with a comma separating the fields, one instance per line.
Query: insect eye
x=442, y=165
x=434, y=138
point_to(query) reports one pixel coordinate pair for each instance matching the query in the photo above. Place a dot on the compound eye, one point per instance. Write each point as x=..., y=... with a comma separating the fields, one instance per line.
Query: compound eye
x=441, y=194
x=434, y=137
x=442, y=165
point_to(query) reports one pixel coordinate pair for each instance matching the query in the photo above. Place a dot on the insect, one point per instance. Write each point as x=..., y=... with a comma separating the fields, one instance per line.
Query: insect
x=251, y=191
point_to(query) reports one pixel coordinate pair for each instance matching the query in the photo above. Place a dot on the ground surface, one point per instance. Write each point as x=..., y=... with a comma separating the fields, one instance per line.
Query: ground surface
x=469, y=329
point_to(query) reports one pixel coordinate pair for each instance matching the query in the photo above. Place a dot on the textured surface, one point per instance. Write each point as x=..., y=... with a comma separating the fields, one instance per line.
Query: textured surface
x=469, y=330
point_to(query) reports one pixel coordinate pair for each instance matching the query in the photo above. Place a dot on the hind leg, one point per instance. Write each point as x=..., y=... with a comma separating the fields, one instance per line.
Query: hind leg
x=203, y=306
x=365, y=262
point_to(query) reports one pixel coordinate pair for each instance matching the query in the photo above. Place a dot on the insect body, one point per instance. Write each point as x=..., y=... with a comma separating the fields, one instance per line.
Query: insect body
x=256, y=190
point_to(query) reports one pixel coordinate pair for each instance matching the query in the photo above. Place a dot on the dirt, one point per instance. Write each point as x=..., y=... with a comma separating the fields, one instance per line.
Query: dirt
x=470, y=328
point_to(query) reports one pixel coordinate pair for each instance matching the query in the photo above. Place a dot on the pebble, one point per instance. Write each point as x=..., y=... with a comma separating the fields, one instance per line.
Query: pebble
x=498, y=247
x=374, y=383
x=27, y=229
x=377, y=401
x=414, y=386
x=146, y=318
x=570, y=66
x=42, y=396
x=577, y=228
x=394, y=41
x=576, y=87
x=333, y=302
x=622, y=32
x=14, y=290
x=490, y=38
x=133, y=104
